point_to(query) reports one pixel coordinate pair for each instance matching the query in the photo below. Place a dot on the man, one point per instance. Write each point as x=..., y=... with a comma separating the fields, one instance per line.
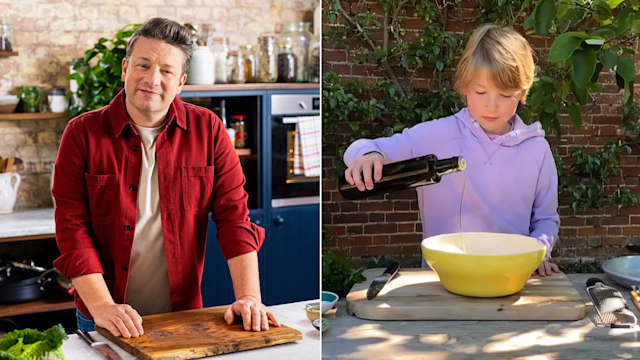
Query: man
x=134, y=183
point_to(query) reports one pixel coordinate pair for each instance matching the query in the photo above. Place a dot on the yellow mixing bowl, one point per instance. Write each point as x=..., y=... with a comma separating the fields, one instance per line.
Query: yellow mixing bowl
x=483, y=264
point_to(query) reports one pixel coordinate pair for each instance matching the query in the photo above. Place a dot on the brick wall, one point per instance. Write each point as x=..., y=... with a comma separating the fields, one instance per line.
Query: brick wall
x=48, y=34
x=390, y=225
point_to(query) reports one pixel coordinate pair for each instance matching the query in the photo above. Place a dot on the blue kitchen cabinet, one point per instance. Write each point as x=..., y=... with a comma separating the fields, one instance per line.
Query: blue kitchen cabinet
x=292, y=254
x=289, y=257
x=216, y=286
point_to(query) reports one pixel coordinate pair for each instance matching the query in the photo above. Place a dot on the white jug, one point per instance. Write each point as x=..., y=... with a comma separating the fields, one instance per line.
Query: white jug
x=9, y=183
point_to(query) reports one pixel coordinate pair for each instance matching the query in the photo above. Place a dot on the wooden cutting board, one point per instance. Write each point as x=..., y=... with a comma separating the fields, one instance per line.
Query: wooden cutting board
x=416, y=294
x=193, y=334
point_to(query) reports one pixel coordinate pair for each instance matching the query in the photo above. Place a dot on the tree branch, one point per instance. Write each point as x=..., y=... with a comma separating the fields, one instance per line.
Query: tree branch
x=383, y=62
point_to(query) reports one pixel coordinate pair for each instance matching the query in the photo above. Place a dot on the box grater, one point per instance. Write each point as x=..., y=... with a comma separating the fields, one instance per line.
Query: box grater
x=610, y=305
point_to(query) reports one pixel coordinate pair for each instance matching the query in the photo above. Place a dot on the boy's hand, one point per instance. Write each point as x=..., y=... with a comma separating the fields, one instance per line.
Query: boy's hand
x=547, y=269
x=359, y=173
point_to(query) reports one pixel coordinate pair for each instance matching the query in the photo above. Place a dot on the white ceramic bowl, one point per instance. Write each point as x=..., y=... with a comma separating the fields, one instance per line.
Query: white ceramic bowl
x=624, y=270
x=8, y=103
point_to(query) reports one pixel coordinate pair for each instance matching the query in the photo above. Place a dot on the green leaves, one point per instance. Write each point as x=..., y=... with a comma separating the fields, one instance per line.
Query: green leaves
x=98, y=74
x=584, y=64
x=626, y=68
x=543, y=16
x=338, y=274
x=564, y=46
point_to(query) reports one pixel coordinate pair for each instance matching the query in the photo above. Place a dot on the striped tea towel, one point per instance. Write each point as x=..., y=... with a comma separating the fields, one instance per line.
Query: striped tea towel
x=310, y=141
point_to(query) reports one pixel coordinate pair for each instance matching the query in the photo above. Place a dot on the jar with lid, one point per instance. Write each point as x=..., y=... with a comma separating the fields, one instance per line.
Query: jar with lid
x=57, y=100
x=201, y=67
x=250, y=65
x=287, y=64
x=236, y=68
x=238, y=123
x=298, y=36
x=267, y=59
x=6, y=37
x=220, y=48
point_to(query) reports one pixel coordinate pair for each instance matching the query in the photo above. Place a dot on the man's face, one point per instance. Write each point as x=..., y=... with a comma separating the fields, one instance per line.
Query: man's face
x=152, y=77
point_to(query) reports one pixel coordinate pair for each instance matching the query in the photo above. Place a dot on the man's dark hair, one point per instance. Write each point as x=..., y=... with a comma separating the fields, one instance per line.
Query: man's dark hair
x=168, y=31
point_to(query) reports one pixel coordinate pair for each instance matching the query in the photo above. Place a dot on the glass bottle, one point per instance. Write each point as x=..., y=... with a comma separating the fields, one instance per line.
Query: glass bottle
x=220, y=48
x=249, y=62
x=236, y=68
x=298, y=36
x=239, y=125
x=421, y=171
x=267, y=59
x=287, y=64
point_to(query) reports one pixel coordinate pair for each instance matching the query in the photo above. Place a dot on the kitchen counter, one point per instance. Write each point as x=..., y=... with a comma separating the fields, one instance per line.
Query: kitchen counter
x=349, y=337
x=27, y=224
x=292, y=315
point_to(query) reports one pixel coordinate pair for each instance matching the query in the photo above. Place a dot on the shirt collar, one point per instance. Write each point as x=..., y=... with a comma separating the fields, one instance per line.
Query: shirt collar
x=120, y=118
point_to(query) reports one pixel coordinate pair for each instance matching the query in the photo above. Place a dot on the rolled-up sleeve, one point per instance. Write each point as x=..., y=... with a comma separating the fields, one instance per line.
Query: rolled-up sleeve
x=236, y=234
x=74, y=233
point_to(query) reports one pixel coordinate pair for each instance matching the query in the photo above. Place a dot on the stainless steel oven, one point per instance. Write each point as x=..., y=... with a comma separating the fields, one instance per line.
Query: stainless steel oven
x=290, y=186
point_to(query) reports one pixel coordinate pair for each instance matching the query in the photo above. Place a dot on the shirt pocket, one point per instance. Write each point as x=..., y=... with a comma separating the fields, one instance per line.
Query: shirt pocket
x=197, y=188
x=103, y=197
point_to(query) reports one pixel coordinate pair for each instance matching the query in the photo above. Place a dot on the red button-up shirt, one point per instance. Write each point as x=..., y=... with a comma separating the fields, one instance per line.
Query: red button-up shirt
x=95, y=185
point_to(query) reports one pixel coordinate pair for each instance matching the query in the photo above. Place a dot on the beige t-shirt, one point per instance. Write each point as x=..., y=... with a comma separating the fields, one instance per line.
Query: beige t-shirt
x=148, y=286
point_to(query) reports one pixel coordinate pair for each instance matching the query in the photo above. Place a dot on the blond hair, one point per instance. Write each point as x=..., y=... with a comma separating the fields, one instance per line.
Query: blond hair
x=503, y=53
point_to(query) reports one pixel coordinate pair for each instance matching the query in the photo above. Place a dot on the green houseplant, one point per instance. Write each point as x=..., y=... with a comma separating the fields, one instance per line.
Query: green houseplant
x=98, y=73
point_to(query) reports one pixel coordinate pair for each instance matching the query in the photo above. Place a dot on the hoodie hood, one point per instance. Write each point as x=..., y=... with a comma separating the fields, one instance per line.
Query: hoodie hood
x=520, y=132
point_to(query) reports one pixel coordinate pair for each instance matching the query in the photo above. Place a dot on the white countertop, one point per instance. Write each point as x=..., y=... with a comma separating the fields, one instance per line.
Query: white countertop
x=348, y=337
x=292, y=315
x=27, y=223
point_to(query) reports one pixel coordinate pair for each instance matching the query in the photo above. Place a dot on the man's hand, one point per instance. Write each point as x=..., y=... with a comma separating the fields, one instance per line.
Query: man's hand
x=254, y=314
x=119, y=319
x=547, y=269
x=360, y=172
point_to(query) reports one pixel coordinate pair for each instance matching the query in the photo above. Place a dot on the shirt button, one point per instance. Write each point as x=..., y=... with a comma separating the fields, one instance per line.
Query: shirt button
x=132, y=188
x=123, y=267
x=135, y=148
x=127, y=227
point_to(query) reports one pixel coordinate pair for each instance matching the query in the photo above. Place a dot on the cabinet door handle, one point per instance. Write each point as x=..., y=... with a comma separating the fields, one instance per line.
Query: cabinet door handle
x=278, y=221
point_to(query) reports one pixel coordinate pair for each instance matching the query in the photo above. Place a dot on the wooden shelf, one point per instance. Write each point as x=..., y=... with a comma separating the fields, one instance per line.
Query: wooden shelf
x=8, y=53
x=34, y=116
x=37, y=306
x=28, y=237
x=251, y=86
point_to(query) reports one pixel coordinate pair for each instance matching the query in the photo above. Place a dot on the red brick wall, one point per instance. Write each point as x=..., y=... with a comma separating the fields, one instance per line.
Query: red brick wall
x=390, y=225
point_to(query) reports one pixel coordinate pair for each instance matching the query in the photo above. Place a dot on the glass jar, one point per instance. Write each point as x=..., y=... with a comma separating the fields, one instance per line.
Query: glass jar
x=6, y=37
x=236, y=68
x=298, y=36
x=287, y=64
x=220, y=48
x=314, y=60
x=267, y=59
x=249, y=62
x=240, y=126
x=201, y=67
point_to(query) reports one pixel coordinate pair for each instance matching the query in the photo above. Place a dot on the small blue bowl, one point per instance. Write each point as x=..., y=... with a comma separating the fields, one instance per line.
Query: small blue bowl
x=329, y=300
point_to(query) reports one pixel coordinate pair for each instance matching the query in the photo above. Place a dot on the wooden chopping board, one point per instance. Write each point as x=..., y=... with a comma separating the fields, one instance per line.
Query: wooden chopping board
x=193, y=334
x=416, y=294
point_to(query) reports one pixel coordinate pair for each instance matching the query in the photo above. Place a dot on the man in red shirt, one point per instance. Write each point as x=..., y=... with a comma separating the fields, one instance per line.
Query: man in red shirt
x=133, y=185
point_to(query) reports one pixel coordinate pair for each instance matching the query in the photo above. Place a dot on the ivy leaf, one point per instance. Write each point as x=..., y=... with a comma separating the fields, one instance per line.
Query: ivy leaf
x=544, y=14
x=574, y=114
x=626, y=68
x=584, y=64
x=580, y=93
x=564, y=46
x=613, y=3
x=609, y=58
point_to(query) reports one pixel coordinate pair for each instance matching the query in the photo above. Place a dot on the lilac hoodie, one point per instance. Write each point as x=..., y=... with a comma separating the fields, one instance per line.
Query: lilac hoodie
x=511, y=181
